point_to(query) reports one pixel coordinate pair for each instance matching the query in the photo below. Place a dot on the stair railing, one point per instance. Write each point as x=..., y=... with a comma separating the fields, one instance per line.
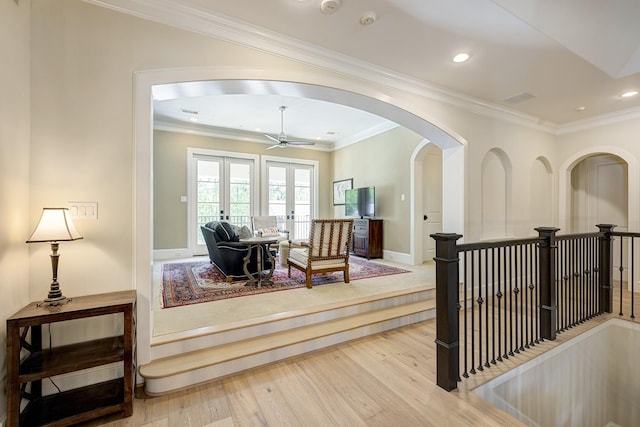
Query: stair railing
x=497, y=299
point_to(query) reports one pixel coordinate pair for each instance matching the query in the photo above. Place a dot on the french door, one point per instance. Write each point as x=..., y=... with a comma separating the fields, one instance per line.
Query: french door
x=290, y=190
x=221, y=187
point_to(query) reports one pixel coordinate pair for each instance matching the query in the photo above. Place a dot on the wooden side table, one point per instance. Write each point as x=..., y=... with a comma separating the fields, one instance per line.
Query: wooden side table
x=24, y=335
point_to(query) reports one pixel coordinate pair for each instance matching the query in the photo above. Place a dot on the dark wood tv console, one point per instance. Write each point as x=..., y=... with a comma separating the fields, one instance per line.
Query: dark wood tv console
x=367, y=238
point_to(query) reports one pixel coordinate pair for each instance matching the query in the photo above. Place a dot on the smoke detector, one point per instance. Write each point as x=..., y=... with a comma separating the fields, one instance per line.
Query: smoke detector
x=330, y=6
x=368, y=18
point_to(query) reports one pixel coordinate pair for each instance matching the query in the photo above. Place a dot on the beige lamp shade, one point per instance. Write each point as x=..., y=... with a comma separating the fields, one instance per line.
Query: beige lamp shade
x=55, y=225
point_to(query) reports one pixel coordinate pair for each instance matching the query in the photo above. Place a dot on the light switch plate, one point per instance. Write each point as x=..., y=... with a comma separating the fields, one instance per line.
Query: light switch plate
x=83, y=210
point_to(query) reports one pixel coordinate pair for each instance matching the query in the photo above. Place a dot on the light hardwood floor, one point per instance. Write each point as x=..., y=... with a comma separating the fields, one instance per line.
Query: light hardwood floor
x=382, y=380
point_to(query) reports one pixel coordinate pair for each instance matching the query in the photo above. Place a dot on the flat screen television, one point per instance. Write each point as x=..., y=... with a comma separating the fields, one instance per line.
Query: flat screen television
x=360, y=202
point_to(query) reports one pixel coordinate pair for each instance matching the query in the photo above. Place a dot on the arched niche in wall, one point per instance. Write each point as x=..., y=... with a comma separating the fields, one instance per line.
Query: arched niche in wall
x=599, y=193
x=541, y=193
x=496, y=195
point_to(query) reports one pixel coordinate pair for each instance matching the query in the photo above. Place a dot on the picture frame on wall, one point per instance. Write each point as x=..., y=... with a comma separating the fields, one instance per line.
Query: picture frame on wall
x=339, y=187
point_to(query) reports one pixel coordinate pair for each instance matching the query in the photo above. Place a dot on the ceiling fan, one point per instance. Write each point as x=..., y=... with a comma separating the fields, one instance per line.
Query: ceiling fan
x=281, y=140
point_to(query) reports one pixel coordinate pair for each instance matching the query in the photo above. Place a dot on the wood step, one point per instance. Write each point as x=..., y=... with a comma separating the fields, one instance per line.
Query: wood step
x=201, y=359
x=207, y=337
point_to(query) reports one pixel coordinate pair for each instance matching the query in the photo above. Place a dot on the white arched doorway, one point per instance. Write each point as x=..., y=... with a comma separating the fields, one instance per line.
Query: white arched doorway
x=633, y=184
x=566, y=196
x=241, y=80
x=453, y=191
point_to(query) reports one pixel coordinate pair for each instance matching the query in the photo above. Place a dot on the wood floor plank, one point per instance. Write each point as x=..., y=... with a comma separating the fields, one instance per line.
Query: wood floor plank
x=275, y=408
x=379, y=404
x=244, y=406
x=299, y=392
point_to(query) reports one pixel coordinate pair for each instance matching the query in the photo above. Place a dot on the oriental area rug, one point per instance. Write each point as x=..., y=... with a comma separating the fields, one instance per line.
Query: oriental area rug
x=187, y=283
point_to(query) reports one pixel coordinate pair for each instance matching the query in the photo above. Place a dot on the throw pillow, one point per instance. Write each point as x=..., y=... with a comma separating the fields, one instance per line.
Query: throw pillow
x=269, y=232
x=225, y=232
x=243, y=232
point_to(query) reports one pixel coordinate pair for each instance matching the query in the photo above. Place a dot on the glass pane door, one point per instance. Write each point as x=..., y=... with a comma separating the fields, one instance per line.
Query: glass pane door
x=221, y=189
x=239, y=193
x=302, y=208
x=290, y=190
x=208, y=195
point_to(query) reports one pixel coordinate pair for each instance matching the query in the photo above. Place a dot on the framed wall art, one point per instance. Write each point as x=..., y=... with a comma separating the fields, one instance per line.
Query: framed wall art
x=339, y=187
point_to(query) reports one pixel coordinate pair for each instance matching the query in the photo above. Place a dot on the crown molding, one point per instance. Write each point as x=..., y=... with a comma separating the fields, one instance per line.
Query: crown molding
x=247, y=35
x=599, y=121
x=170, y=125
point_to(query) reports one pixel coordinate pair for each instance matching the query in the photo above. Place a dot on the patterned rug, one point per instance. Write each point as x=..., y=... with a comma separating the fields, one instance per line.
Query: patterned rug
x=187, y=283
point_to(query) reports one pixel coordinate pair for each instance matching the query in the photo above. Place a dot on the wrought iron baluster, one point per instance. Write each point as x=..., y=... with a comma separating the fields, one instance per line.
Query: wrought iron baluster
x=633, y=281
x=480, y=305
x=486, y=307
x=473, y=316
x=493, y=306
x=511, y=302
x=621, y=272
x=499, y=296
x=465, y=284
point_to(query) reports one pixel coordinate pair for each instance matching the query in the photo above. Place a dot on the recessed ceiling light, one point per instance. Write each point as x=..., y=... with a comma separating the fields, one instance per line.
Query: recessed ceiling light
x=581, y=108
x=461, y=57
x=193, y=119
x=629, y=94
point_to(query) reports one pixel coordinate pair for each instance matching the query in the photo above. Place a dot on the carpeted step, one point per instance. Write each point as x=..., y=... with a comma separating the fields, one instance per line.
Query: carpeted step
x=179, y=371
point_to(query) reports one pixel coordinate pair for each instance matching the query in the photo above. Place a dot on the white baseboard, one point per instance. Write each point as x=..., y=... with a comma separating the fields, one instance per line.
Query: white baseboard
x=397, y=257
x=160, y=254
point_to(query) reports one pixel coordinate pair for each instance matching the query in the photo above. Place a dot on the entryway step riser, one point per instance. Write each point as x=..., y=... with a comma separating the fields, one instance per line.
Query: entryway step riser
x=166, y=384
x=206, y=341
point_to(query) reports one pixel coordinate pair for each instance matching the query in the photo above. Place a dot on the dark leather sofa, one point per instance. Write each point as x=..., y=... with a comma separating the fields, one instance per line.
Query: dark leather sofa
x=227, y=253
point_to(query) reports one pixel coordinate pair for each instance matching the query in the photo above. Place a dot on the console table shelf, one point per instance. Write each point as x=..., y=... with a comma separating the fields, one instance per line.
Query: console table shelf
x=70, y=358
x=24, y=335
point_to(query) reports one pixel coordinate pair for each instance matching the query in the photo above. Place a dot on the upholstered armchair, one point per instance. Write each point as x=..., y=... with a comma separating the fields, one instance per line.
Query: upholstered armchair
x=267, y=226
x=227, y=253
x=328, y=249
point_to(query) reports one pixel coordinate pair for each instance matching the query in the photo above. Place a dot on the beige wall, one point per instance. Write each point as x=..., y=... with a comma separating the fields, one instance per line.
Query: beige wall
x=170, y=179
x=382, y=162
x=14, y=168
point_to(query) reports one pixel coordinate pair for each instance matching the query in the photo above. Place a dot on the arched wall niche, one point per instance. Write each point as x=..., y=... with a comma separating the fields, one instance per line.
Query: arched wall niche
x=321, y=85
x=496, y=176
x=541, y=193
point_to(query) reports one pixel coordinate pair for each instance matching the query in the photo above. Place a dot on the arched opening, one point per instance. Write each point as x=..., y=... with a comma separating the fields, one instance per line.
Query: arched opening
x=586, y=183
x=367, y=99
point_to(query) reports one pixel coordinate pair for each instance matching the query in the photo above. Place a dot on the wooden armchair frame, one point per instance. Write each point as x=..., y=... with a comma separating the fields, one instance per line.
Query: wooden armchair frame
x=328, y=250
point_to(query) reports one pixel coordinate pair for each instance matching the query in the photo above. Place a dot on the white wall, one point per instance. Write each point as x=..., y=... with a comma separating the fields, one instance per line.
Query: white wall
x=14, y=168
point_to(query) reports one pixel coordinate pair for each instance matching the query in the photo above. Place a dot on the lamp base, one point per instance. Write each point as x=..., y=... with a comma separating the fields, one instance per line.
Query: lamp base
x=54, y=302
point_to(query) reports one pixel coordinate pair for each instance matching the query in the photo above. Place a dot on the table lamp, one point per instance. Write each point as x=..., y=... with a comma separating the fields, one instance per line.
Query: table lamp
x=55, y=226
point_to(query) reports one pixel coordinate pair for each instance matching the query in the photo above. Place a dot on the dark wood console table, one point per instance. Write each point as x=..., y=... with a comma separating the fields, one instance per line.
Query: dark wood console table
x=24, y=336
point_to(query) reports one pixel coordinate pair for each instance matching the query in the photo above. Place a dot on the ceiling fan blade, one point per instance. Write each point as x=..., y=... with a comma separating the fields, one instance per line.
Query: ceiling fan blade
x=273, y=146
x=274, y=139
x=301, y=143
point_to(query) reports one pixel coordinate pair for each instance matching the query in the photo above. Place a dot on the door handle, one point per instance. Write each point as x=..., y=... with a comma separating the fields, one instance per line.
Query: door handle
x=424, y=217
